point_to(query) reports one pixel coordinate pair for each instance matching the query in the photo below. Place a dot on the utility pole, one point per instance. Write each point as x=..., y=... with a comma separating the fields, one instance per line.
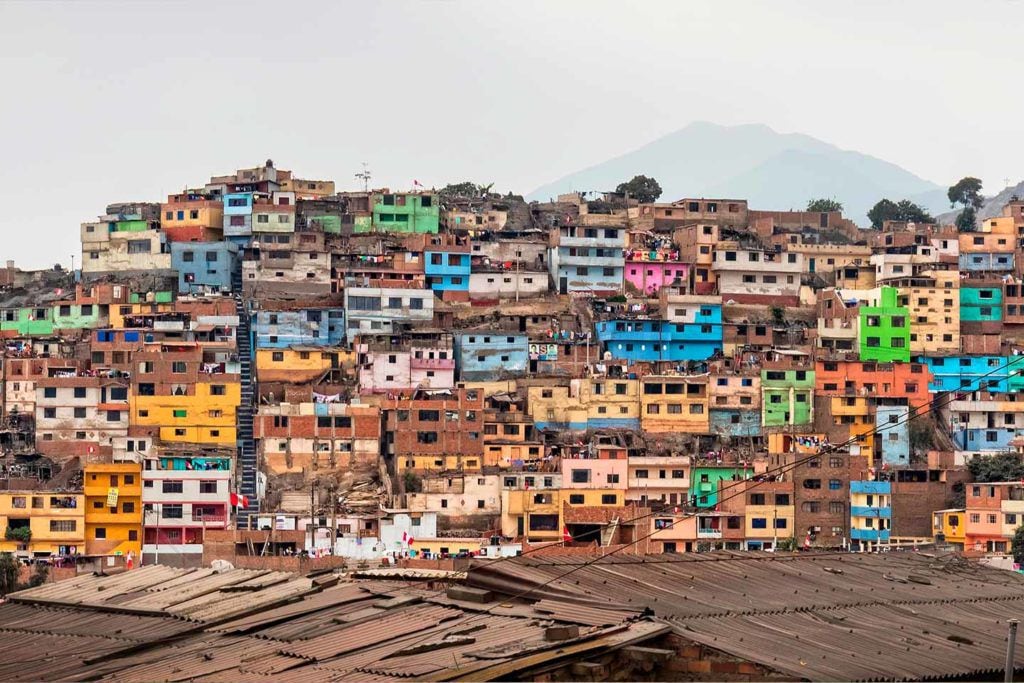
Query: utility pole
x=312, y=512
x=1011, y=646
x=334, y=516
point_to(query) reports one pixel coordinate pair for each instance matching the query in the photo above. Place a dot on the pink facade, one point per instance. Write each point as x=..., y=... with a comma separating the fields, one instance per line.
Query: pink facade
x=425, y=368
x=600, y=473
x=650, y=276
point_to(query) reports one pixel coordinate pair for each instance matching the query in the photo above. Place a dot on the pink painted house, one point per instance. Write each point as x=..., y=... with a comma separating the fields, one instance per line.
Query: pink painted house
x=649, y=271
x=595, y=473
x=390, y=364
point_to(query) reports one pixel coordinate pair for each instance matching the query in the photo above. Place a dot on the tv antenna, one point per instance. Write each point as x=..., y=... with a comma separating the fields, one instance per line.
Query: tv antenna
x=365, y=176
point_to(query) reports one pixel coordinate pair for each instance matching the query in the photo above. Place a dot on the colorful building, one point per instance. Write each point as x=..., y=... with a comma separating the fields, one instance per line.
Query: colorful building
x=113, y=508
x=870, y=513
x=41, y=524
x=885, y=329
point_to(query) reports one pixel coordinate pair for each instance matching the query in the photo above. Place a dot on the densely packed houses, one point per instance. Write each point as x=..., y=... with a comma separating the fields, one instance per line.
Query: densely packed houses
x=427, y=373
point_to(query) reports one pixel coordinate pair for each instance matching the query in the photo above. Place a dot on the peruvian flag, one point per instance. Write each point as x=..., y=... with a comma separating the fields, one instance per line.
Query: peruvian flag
x=411, y=540
x=416, y=183
x=239, y=501
x=807, y=541
x=566, y=536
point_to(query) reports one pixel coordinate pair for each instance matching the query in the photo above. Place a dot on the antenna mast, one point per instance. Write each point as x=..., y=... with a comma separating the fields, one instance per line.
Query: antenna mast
x=365, y=176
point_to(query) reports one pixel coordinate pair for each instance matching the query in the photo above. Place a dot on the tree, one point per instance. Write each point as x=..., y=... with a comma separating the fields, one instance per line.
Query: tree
x=967, y=193
x=465, y=190
x=645, y=190
x=904, y=210
x=1017, y=545
x=824, y=205
x=8, y=574
x=1001, y=467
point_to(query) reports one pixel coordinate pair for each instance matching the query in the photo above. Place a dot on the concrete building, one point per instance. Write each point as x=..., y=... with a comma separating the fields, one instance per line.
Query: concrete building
x=587, y=259
x=758, y=276
x=375, y=310
x=489, y=353
x=204, y=266
x=278, y=329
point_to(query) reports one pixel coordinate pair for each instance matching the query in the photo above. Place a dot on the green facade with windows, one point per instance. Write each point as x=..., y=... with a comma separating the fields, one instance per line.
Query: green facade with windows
x=411, y=213
x=787, y=397
x=30, y=321
x=981, y=304
x=885, y=329
x=704, y=483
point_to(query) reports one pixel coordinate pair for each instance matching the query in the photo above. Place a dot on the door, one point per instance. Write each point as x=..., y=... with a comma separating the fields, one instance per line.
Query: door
x=563, y=285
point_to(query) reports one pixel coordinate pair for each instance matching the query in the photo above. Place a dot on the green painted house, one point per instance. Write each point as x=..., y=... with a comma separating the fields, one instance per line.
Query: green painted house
x=981, y=304
x=71, y=316
x=787, y=397
x=28, y=321
x=704, y=482
x=885, y=329
x=411, y=213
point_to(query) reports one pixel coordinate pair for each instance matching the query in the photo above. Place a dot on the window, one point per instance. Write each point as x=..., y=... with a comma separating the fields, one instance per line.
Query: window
x=79, y=392
x=101, y=532
x=218, y=390
x=178, y=367
x=812, y=484
x=835, y=484
x=172, y=486
x=576, y=499
x=171, y=510
x=581, y=476
x=608, y=499
x=759, y=523
x=79, y=412
x=50, y=392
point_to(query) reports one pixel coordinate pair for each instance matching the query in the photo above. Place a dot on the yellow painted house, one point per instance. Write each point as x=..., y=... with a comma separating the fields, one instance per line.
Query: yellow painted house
x=113, y=508
x=298, y=364
x=206, y=416
x=55, y=521
x=952, y=523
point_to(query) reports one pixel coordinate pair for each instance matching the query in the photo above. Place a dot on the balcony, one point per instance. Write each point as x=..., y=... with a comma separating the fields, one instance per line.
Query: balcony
x=599, y=242
x=432, y=363
x=874, y=512
x=709, y=533
x=873, y=535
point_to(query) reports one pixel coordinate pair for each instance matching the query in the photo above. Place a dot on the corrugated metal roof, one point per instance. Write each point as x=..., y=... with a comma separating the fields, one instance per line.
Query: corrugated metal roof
x=177, y=625
x=815, y=616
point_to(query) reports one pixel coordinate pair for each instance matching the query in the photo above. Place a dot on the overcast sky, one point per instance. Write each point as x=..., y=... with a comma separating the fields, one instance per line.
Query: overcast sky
x=118, y=101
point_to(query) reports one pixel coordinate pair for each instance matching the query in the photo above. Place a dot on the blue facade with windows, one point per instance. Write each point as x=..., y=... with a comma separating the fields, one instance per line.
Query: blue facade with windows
x=735, y=422
x=985, y=439
x=662, y=340
x=447, y=270
x=986, y=261
x=893, y=430
x=486, y=355
x=204, y=266
x=975, y=373
x=303, y=327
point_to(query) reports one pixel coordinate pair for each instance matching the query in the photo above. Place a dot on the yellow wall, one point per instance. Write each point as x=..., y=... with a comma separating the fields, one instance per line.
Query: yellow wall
x=40, y=512
x=423, y=463
x=942, y=521
x=931, y=318
x=559, y=407
x=609, y=400
x=208, y=217
x=122, y=525
x=117, y=318
x=295, y=368
x=454, y=545
x=769, y=513
x=201, y=422
x=502, y=454
x=682, y=421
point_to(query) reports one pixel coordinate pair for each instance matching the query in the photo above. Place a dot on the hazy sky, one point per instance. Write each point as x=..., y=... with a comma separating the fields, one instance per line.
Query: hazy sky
x=118, y=101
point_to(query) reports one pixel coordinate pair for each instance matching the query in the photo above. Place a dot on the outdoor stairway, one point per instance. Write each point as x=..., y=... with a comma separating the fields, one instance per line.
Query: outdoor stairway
x=247, y=461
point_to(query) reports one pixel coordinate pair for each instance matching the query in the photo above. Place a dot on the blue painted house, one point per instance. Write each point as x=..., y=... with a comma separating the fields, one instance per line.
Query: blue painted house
x=303, y=327
x=238, y=216
x=893, y=434
x=487, y=354
x=735, y=422
x=446, y=270
x=975, y=373
x=870, y=512
x=660, y=340
x=204, y=266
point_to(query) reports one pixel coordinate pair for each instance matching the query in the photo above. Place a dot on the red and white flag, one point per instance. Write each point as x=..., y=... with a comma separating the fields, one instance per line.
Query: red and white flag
x=405, y=537
x=239, y=500
x=566, y=536
x=411, y=540
x=416, y=183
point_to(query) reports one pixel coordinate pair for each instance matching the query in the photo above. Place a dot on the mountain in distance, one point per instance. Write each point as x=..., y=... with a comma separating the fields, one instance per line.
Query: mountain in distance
x=774, y=171
x=992, y=207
